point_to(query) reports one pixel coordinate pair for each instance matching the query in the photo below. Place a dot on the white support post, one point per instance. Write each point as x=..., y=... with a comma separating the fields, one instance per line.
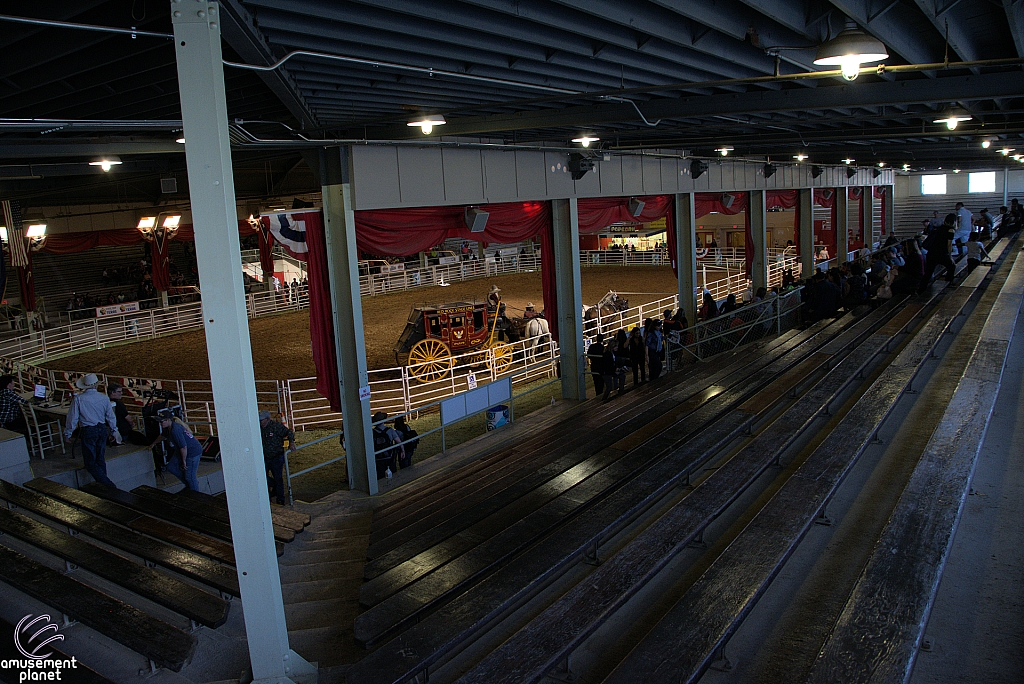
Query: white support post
x=347, y=305
x=686, y=255
x=842, y=200
x=890, y=209
x=566, y=226
x=758, y=208
x=873, y=235
x=197, y=44
x=806, y=202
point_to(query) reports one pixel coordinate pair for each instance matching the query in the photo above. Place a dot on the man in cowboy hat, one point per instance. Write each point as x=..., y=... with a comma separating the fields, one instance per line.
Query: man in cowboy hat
x=531, y=311
x=92, y=414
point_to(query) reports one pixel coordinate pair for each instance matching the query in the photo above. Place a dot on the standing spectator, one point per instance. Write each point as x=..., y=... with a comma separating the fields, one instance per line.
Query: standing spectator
x=125, y=423
x=276, y=439
x=975, y=251
x=964, y=227
x=621, y=359
x=638, y=356
x=939, y=245
x=184, y=451
x=411, y=439
x=670, y=324
x=294, y=290
x=655, y=346
x=91, y=412
x=607, y=363
x=387, y=451
x=11, y=416
x=595, y=353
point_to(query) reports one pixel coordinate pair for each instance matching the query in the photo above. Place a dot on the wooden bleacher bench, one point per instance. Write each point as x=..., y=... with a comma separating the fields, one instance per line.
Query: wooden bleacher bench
x=282, y=533
x=165, y=645
x=181, y=597
x=82, y=673
x=283, y=516
x=696, y=629
x=158, y=509
x=122, y=515
x=200, y=568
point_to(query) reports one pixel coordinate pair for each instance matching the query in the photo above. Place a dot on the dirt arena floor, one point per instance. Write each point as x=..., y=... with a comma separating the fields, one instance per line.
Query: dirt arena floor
x=281, y=347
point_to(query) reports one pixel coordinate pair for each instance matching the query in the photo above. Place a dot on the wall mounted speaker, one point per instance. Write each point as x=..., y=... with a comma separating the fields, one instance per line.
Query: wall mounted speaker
x=476, y=219
x=816, y=171
x=697, y=168
x=769, y=170
x=851, y=171
x=875, y=173
x=579, y=165
x=727, y=199
x=636, y=207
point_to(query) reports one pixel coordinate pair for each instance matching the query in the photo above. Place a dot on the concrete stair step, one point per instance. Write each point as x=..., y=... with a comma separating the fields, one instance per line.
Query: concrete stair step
x=322, y=555
x=330, y=646
x=309, y=572
x=317, y=590
x=326, y=613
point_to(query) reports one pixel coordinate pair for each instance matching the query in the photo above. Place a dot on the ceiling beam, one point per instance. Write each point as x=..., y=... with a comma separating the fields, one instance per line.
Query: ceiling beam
x=960, y=40
x=245, y=39
x=1015, y=18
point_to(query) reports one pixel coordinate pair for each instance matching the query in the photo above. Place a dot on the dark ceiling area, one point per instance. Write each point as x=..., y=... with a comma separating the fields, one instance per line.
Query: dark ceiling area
x=692, y=75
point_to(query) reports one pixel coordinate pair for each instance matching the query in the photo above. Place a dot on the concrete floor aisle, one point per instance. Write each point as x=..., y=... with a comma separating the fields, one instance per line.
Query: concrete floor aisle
x=976, y=628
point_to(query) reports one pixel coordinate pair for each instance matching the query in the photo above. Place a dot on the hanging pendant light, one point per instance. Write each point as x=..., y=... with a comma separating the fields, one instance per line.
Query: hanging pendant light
x=953, y=117
x=851, y=48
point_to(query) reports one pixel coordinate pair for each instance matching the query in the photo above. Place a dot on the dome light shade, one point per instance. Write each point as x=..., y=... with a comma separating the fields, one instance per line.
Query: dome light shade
x=427, y=123
x=724, y=150
x=953, y=117
x=106, y=162
x=585, y=140
x=851, y=48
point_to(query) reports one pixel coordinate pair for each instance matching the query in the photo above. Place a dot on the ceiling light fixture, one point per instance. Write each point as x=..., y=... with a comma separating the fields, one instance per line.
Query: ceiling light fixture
x=953, y=117
x=956, y=170
x=1006, y=151
x=585, y=140
x=36, y=231
x=180, y=141
x=724, y=150
x=106, y=163
x=427, y=123
x=172, y=221
x=851, y=48
x=881, y=165
x=1017, y=157
x=985, y=144
x=848, y=161
x=906, y=167
x=800, y=157
x=146, y=222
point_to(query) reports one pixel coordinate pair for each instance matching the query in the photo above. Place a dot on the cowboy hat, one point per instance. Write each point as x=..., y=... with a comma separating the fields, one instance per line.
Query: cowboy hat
x=495, y=288
x=87, y=381
x=529, y=305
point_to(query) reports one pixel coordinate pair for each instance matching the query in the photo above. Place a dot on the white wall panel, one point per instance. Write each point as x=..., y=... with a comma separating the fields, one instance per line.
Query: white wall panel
x=375, y=177
x=421, y=175
x=632, y=175
x=463, y=180
x=559, y=182
x=531, y=175
x=611, y=177
x=499, y=172
x=651, y=170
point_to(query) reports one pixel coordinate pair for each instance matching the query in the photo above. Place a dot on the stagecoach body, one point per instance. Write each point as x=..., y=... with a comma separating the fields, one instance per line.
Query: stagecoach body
x=435, y=334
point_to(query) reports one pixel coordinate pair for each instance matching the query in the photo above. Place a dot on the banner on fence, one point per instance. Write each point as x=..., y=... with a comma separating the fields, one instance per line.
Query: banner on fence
x=116, y=309
x=475, y=401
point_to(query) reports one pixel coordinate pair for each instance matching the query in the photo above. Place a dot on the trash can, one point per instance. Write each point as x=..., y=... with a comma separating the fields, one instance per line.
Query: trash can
x=496, y=417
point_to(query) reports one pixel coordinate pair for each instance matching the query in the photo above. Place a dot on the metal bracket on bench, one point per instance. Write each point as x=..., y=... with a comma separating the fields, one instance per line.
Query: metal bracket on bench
x=68, y=620
x=875, y=439
x=562, y=672
x=69, y=567
x=698, y=541
x=823, y=519
x=720, y=662
x=421, y=677
x=590, y=556
x=150, y=564
x=193, y=626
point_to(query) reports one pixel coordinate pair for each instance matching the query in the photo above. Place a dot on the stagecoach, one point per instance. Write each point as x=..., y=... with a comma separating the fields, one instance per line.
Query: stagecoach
x=433, y=335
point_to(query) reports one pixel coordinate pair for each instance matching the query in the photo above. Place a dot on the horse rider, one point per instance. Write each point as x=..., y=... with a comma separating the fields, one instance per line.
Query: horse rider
x=531, y=311
x=496, y=309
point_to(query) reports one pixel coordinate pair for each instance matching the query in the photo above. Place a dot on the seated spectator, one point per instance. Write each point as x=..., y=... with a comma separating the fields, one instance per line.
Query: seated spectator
x=406, y=433
x=11, y=416
x=855, y=290
x=125, y=422
x=730, y=304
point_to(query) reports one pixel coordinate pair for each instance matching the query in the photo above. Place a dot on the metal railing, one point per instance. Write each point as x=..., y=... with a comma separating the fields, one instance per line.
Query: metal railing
x=731, y=330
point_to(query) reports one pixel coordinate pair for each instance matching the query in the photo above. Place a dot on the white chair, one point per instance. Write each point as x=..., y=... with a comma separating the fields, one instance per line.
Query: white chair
x=44, y=432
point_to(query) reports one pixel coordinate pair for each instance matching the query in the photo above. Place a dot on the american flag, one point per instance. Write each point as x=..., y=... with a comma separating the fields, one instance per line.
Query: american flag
x=15, y=232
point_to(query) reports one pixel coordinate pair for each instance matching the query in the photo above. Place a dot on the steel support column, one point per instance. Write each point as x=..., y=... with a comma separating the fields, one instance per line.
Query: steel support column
x=347, y=307
x=565, y=221
x=890, y=209
x=842, y=226
x=686, y=255
x=806, y=230
x=873, y=236
x=758, y=208
x=211, y=189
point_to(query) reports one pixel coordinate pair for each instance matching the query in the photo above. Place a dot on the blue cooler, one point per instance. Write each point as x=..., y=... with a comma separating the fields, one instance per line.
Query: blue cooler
x=497, y=416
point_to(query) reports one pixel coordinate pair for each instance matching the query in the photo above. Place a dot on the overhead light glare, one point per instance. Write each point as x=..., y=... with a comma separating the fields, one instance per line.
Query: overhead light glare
x=36, y=230
x=848, y=161
x=106, y=163
x=3, y=233
x=1006, y=151
x=172, y=220
x=881, y=165
x=799, y=157
x=585, y=140
x=180, y=141
x=724, y=150
x=985, y=144
x=427, y=123
x=956, y=170
x=146, y=222
x=953, y=117
x=848, y=50
x=906, y=167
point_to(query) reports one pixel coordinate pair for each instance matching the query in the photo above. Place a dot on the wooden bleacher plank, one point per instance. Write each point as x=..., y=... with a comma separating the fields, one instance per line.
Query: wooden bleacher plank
x=165, y=645
x=202, y=569
x=170, y=592
x=190, y=520
x=82, y=673
x=284, y=534
x=140, y=522
x=283, y=515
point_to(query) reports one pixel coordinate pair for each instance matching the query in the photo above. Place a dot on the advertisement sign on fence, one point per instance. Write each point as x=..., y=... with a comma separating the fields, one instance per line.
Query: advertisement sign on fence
x=116, y=309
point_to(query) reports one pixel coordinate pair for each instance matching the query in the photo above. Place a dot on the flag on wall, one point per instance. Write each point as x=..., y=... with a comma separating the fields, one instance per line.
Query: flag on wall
x=291, y=233
x=15, y=232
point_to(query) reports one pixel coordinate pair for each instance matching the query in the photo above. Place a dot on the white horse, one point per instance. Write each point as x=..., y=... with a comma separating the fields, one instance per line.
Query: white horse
x=536, y=334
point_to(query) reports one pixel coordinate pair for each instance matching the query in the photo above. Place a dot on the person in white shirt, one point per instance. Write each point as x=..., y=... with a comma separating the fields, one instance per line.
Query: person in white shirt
x=964, y=226
x=975, y=251
x=92, y=413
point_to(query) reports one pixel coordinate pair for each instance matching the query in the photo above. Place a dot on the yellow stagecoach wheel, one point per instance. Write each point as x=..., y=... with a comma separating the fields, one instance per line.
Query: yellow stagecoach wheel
x=429, y=360
x=502, y=357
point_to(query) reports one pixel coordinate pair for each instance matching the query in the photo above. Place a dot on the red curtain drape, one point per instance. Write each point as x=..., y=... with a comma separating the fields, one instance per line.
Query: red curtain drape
x=786, y=199
x=856, y=238
x=597, y=213
x=879, y=192
x=266, y=244
x=321, y=316
x=825, y=197
x=161, y=271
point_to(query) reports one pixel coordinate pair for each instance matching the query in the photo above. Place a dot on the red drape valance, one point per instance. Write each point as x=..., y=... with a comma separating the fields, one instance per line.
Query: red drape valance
x=825, y=197
x=781, y=199
x=706, y=202
x=598, y=213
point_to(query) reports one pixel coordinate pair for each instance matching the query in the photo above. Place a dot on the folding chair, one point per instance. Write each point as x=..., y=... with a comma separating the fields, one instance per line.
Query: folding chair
x=43, y=433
